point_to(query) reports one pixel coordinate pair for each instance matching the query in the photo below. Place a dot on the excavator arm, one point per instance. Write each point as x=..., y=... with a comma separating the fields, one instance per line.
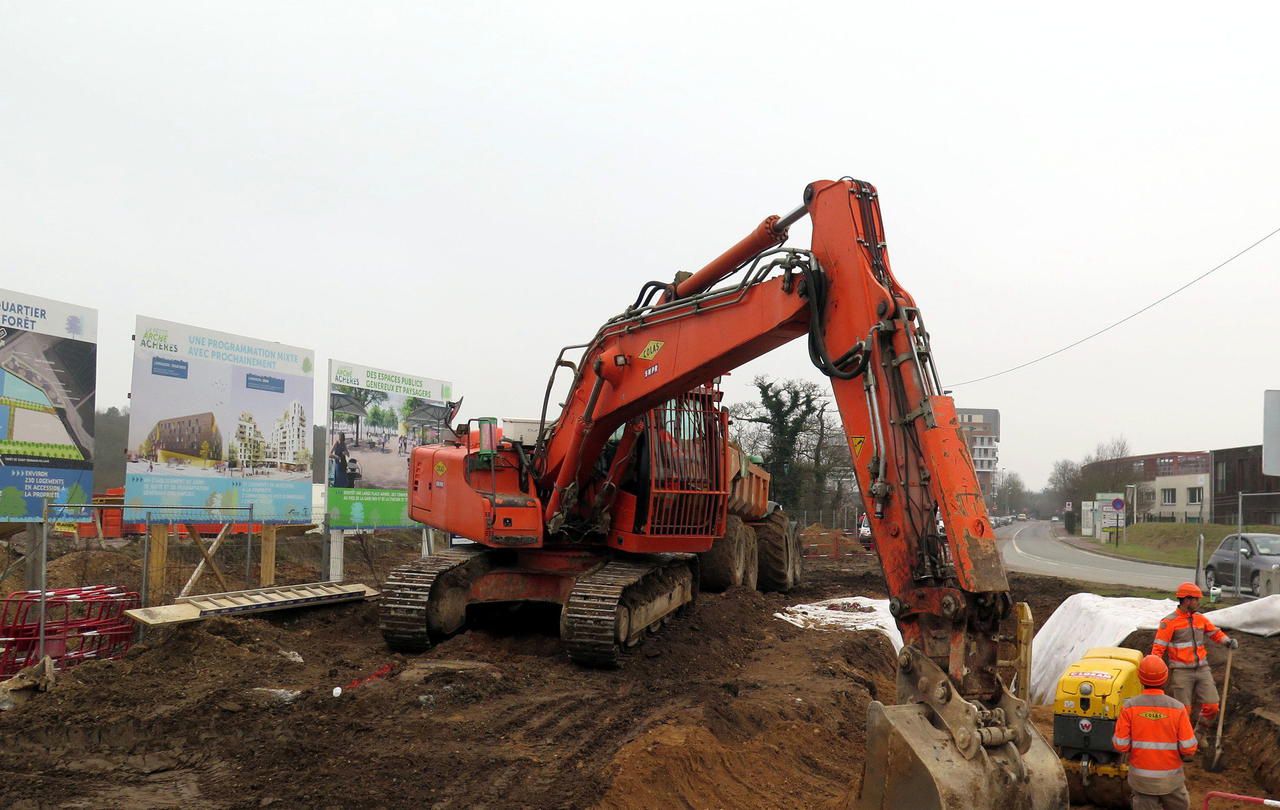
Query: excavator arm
x=957, y=736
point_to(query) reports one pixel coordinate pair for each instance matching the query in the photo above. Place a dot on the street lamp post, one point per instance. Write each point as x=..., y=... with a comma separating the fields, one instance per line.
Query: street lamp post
x=1004, y=481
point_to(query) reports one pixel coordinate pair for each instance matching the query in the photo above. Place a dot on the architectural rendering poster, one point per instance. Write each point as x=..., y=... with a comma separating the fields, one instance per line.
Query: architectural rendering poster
x=218, y=420
x=376, y=418
x=48, y=365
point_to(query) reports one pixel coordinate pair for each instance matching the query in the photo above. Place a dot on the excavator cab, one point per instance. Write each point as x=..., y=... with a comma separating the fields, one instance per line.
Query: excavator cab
x=678, y=486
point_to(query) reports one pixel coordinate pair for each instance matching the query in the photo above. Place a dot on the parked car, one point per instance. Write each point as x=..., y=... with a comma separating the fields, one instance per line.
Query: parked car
x=1054, y=519
x=1022, y=516
x=1259, y=552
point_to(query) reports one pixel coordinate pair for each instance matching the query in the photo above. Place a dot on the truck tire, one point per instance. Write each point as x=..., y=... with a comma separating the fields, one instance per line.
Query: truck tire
x=781, y=558
x=724, y=565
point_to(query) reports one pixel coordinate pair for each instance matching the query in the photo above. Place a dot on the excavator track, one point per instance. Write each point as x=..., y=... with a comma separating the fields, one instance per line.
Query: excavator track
x=402, y=611
x=596, y=623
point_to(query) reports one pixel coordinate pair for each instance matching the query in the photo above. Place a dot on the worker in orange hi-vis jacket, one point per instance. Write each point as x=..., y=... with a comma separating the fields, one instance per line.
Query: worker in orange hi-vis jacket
x=1154, y=729
x=1180, y=641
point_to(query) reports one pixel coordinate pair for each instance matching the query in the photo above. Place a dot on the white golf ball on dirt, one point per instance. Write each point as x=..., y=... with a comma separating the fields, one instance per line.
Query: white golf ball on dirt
x=337, y=691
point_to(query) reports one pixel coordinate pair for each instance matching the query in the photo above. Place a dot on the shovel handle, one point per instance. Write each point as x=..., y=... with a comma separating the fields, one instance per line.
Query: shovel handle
x=1226, y=685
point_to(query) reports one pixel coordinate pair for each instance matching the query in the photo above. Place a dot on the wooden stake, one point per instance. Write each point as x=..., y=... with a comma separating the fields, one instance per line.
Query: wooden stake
x=208, y=558
x=213, y=549
x=267, y=567
x=157, y=564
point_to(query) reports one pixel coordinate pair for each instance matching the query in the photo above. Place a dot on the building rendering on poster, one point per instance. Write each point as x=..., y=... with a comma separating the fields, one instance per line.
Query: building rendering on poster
x=376, y=418
x=48, y=370
x=217, y=421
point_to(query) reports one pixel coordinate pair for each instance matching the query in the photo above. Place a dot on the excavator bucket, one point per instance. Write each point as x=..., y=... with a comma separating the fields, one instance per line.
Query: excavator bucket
x=911, y=762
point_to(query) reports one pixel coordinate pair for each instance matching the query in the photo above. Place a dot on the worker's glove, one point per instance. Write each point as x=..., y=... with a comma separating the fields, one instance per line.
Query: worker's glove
x=1233, y=644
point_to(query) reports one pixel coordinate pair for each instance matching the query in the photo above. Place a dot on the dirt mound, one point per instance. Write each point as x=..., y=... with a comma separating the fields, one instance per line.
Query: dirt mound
x=727, y=707
x=184, y=717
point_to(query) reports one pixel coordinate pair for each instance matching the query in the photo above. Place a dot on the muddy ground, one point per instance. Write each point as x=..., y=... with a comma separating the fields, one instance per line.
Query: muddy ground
x=727, y=708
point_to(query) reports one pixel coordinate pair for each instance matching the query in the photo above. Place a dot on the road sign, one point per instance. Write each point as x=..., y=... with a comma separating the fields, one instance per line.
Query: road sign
x=1118, y=504
x=1068, y=506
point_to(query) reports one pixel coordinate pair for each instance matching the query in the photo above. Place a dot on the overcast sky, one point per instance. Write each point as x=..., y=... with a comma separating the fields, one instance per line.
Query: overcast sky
x=457, y=190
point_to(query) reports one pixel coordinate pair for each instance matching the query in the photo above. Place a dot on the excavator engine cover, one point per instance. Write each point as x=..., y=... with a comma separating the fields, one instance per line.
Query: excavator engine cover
x=911, y=763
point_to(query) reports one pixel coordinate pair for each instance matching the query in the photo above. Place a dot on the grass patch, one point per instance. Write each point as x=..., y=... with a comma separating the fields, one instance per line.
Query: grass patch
x=1174, y=542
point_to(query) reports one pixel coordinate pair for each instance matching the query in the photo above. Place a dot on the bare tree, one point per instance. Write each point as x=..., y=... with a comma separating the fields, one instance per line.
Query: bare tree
x=1011, y=495
x=798, y=432
x=1064, y=479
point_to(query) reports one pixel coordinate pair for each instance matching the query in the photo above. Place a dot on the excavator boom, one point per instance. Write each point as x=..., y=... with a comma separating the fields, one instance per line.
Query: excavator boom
x=948, y=590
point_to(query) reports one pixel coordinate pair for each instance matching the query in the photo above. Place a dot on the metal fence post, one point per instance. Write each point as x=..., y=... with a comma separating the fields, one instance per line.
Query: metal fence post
x=248, y=548
x=1239, y=536
x=146, y=559
x=44, y=573
x=1200, y=560
x=324, y=546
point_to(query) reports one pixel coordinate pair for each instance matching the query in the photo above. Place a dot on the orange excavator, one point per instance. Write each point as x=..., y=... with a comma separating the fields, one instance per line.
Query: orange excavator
x=614, y=509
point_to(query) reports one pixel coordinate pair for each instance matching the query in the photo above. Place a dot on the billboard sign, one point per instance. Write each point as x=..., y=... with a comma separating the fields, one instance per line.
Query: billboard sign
x=218, y=420
x=376, y=418
x=48, y=375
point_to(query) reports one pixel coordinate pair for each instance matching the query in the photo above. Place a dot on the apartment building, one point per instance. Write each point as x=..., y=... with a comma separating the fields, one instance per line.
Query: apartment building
x=195, y=436
x=289, y=440
x=980, y=428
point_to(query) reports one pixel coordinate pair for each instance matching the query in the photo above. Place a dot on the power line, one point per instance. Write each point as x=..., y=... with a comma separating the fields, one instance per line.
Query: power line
x=1128, y=317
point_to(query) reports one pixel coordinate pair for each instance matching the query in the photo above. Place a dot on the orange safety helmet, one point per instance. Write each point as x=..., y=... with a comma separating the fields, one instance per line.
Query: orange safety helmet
x=1153, y=671
x=1187, y=589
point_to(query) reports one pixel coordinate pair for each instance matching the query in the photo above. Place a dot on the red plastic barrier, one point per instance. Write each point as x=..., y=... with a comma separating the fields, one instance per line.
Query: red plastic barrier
x=377, y=675
x=81, y=624
x=1217, y=794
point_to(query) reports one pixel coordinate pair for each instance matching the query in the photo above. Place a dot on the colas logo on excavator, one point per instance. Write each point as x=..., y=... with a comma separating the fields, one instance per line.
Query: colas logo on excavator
x=651, y=349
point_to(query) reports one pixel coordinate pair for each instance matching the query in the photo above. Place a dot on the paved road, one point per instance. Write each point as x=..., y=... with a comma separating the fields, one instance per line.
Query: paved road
x=1032, y=549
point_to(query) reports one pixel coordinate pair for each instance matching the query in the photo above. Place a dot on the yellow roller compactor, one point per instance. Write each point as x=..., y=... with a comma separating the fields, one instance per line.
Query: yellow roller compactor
x=1091, y=693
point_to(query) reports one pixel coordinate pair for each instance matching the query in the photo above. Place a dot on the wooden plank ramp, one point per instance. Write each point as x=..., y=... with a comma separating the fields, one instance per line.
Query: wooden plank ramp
x=259, y=600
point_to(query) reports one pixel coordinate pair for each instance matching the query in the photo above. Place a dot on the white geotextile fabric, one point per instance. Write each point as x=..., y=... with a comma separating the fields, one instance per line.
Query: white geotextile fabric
x=845, y=613
x=1261, y=617
x=1083, y=621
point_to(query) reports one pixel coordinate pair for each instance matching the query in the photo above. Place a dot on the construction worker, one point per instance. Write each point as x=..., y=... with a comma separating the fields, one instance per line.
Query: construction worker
x=1180, y=641
x=1155, y=731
